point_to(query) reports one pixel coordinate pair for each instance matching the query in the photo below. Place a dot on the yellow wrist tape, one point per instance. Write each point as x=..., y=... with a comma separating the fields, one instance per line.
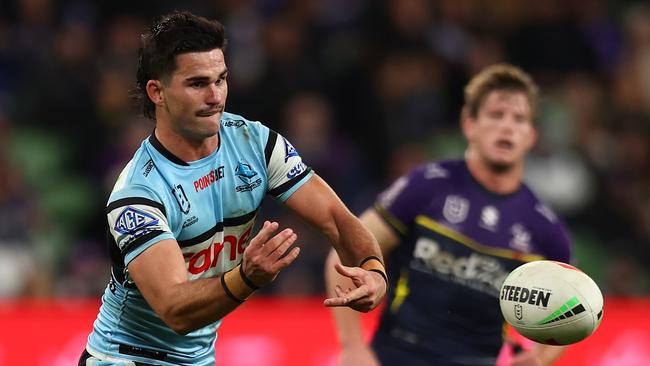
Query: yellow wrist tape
x=374, y=264
x=235, y=286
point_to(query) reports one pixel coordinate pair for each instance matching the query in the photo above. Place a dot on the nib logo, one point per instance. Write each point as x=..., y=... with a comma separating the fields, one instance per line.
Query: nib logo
x=131, y=220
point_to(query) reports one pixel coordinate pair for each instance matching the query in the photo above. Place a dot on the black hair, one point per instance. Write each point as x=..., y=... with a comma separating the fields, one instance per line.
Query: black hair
x=171, y=35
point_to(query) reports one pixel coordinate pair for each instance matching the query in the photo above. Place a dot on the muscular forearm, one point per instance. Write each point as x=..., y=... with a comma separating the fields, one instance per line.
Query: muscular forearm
x=192, y=305
x=352, y=241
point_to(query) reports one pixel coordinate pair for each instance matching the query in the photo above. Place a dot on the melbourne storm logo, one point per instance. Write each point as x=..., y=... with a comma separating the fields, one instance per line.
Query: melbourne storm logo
x=247, y=175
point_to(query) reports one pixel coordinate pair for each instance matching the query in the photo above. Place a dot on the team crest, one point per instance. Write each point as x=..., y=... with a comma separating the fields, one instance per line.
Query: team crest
x=289, y=150
x=132, y=220
x=247, y=175
x=181, y=198
x=520, y=238
x=244, y=172
x=455, y=209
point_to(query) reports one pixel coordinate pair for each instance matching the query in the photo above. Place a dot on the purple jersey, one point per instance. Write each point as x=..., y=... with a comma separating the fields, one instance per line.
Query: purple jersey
x=459, y=242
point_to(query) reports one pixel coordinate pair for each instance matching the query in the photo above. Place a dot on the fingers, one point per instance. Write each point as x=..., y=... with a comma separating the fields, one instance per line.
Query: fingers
x=348, y=271
x=265, y=233
x=285, y=261
x=279, y=244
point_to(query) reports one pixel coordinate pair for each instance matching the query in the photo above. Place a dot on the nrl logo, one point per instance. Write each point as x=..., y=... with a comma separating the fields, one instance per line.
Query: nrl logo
x=519, y=311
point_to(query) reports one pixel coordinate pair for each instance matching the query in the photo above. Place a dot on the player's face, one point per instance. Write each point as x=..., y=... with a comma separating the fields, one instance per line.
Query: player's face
x=502, y=132
x=195, y=94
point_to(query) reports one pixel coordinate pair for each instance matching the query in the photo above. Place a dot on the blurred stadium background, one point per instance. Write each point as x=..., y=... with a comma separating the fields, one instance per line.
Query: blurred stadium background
x=364, y=89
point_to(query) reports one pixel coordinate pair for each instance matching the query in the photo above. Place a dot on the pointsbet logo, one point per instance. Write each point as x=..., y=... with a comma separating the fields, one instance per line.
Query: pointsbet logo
x=525, y=295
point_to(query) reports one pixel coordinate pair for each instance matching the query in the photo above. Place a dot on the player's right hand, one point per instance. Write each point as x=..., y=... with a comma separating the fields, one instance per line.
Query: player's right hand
x=264, y=257
x=358, y=355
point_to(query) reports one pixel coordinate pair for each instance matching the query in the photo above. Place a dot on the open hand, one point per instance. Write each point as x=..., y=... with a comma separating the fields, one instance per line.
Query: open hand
x=370, y=289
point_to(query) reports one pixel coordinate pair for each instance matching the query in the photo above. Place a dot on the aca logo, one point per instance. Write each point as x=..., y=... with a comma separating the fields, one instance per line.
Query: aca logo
x=132, y=220
x=289, y=150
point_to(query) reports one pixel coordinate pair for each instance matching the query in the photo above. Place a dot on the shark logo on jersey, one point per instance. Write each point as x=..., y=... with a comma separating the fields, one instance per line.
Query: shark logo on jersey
x=132, y=220
x=289, y=150
x=455, y=209
x=181, y=198
x=246, y=173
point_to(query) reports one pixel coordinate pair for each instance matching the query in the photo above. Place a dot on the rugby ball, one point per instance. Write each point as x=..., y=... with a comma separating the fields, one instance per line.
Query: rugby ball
x=551, y=302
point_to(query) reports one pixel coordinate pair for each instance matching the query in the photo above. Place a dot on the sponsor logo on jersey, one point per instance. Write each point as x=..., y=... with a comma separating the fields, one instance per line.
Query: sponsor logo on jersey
x=132, y=220
x=208, y=258
x=289, y=150
x=234, y=123
x=246, y=174
x=546, y=212
x=477, y=271
x=525, y=295
x=455, y=209
x=489, y=218
x=181, y=198
x=208, y=179
x=147, y=167
x=191, y=221
x=387, y=198
x=297, y=169
x=434, y=170
x=520, y=238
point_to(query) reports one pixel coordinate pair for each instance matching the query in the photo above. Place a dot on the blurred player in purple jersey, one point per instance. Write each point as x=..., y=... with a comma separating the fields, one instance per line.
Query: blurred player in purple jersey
x=451, y=232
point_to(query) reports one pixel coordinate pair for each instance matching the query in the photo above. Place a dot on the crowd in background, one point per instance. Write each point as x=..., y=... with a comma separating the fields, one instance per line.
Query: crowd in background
x=364, y=89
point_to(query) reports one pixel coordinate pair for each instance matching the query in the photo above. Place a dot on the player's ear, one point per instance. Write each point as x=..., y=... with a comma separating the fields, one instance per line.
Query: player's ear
x=468, y=125
x=155, y=92
x=533, y=137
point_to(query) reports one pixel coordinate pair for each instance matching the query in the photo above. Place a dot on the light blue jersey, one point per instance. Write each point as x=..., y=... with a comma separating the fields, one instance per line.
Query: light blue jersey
x=209, y=207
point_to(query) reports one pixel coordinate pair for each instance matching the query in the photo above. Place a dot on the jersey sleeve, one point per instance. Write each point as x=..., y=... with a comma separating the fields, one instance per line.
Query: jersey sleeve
x=557, y=241
x=286, y=170
x=136, y=220
x=400, y=203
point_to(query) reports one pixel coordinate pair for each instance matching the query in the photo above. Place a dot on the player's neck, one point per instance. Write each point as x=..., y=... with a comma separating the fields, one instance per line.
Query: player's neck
x=186, y=149
x=499, y=182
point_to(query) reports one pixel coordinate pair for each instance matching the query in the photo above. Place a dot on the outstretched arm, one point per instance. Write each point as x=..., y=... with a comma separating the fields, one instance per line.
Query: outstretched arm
x=317, y=204
x=354, y=350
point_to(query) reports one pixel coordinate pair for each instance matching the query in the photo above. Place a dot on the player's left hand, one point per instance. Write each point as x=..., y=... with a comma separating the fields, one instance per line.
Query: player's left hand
x=370, y=289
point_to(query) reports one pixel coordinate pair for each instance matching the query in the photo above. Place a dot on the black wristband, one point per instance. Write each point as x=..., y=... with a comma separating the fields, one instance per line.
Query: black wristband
x=247, y=280
x=227, y=290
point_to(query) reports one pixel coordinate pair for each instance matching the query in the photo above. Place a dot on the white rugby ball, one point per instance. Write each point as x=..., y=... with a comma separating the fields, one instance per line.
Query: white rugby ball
x=551, y=302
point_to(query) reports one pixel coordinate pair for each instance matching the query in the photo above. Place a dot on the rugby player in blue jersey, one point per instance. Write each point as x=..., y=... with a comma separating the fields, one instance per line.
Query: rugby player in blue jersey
x=181, y=214
x=451, y=231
